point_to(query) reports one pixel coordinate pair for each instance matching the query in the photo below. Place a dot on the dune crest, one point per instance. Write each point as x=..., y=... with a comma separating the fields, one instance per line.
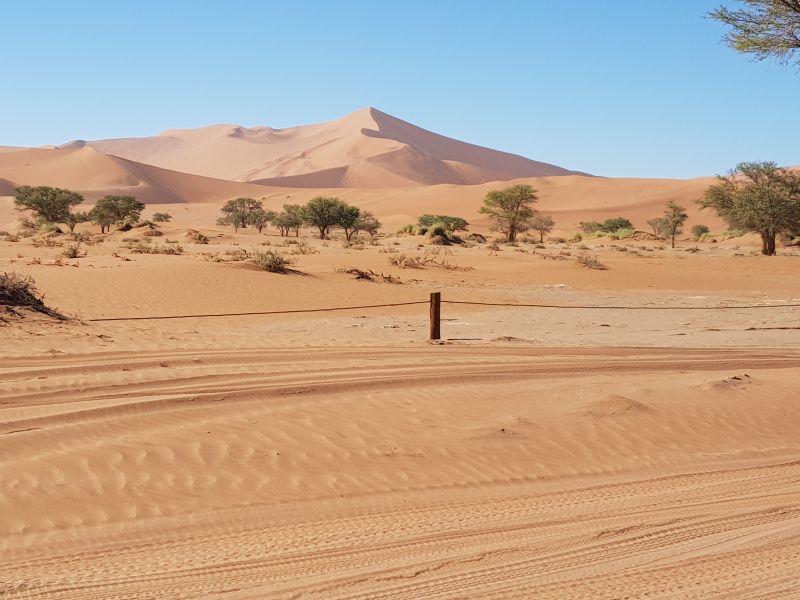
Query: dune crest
x=367, y=148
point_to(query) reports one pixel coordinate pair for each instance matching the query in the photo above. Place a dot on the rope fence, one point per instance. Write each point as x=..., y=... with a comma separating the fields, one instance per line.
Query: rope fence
x=436, y=301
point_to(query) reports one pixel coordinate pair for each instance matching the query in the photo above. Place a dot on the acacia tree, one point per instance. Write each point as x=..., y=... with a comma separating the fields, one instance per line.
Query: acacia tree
x=543, y=224
x=764, y=29
x=237, y=212
x=759, y=197
x=368, y=222
x=323, y=212
x=672, y=221
x=47, y=203
x=347, y=219
x=511, y=209
x=259, y=218
x=112, y=209
x=73, y=218
x=453, y=224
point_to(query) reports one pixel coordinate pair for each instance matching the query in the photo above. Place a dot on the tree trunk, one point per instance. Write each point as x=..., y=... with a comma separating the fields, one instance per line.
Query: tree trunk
x=767, y=243
x=541, y=237
x=512, y=233
x=673, y=241
x=322, y=233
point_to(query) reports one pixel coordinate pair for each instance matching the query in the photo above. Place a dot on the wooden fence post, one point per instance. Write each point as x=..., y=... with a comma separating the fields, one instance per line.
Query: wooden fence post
x=436, y=315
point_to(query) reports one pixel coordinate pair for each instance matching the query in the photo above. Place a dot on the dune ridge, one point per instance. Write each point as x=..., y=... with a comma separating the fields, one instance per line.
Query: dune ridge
x=367, y=148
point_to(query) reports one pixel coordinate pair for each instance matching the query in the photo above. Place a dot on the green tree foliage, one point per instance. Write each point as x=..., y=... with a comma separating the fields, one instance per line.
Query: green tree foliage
x=348, y=220
x=759, y=197
x=699, y=231
x=47, y=203
x=543, y=224
x=111, y=210
x=324, y=212
x=162, y=217
x=237, y=212
x=73, y=218
x=259, y=218
x=368, y=223
x=673, y=219
x=453, y=224
x=287, y=220
x=511, y=209
x=615, y=224
x=764, y=29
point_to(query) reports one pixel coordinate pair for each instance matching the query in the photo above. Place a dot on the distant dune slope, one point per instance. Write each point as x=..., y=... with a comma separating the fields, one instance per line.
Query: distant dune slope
x=367, y=148
x=95, y=174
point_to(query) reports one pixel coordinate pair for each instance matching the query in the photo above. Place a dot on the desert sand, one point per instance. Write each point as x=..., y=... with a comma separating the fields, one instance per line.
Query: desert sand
x=585, y=453
x=534, y=453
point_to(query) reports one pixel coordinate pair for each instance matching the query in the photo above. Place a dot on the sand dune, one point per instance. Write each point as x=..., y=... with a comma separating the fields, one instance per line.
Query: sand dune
x=367, y=148
x=95, y=174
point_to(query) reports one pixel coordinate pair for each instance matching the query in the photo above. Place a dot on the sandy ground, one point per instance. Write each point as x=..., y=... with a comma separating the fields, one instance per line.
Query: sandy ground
x=534, y=453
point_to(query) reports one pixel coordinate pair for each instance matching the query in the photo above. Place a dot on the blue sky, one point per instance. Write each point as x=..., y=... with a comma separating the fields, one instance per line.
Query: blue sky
x=616, y=88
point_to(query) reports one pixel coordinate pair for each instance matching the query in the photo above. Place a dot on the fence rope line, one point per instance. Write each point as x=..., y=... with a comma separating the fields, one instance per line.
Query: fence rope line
x=600, y=307
x=462, y=302
x=267, y=312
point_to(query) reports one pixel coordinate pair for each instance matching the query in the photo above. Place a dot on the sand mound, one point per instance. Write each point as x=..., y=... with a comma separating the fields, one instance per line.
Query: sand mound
x=367, y=148
x=95, y=174
x=614, y=405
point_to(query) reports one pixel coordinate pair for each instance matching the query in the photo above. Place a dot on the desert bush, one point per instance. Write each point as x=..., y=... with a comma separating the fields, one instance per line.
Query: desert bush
x=300, y=246
x=590, y=262
x=20, y=291
x=731, y=233
x=615, y=224
x=162, y=217
x=140, y=247
x=272, y=261
x=698, y=231
x=406, y=229
x=576, y=237
x=73, y=251
x=195, y=237
x=622, y=234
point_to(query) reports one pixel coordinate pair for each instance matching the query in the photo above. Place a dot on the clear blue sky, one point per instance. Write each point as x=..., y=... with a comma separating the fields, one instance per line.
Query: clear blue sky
x=617, y=88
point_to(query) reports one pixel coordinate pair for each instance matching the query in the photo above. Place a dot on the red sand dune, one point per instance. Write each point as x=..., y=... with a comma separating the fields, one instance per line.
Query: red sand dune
x=367, y=148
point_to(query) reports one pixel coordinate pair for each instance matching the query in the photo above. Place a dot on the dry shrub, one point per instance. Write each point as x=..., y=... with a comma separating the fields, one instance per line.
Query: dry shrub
x=591, y=262
x=369, y=275
x=152, y=233
x=20, y=291
x=140, y=247
x=272, y=261
x=195, y=237
x=73, y=251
